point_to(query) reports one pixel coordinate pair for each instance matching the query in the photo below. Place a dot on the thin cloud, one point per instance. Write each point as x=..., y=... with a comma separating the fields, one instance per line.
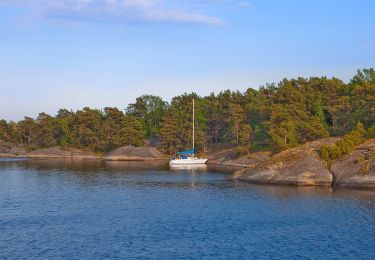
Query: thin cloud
x=120, y=11
x=245, y=5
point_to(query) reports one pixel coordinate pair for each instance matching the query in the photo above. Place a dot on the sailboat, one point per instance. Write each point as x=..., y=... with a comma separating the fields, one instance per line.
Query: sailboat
x=188, y=157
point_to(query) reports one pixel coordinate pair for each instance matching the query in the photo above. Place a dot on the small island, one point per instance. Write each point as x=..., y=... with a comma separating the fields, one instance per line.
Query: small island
x=304, y=131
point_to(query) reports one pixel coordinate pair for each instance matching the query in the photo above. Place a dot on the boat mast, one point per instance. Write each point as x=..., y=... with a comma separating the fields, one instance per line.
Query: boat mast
x=193, y=125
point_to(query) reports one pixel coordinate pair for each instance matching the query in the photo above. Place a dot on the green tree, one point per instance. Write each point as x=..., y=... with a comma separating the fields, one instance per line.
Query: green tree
x=64, y=133
x=245, y=137
x=111, y=134
x=26, y=130
x=86, y=129
x=278, y=116
x=362, y=97
x=214, y=113
x=363, y=77
x=371, y=132
x=182, y=106
x=344, y=146
x=46, y=131
x=7, y=131
x=235, y=117
x=132, y=132
x=151, y=110
x=169, y=131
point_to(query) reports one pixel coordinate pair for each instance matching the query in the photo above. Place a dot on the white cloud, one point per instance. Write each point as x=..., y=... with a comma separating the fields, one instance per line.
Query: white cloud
x=245, y=5
x=123, y=11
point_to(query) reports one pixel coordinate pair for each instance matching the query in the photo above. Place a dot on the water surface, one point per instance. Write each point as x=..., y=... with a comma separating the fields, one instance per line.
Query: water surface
x=93, y=209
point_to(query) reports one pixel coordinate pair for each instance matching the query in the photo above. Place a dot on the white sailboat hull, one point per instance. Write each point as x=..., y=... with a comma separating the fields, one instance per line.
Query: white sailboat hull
x=187, y=161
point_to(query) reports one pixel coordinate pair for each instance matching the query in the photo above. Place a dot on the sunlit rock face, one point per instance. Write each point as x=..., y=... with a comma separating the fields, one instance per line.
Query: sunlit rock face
x=61, y=152
x=356, y=169
x=131, y=153
x=298, y=166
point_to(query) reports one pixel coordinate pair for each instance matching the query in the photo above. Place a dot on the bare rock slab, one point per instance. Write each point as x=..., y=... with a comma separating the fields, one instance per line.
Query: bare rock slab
x=297, y=166
x=62, y=152
x=228, y=157
x=131, y=153
x=12, y=150
x=357, y=169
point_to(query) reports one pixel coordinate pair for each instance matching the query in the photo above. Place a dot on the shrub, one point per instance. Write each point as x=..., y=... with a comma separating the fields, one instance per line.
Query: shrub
x=241, y=150
x=365, y=167
x=360, y=128
x=361, y=159
x=371, y=132
x=344, y=146
x=31, y=148
x=325, y=152
x=335, y=152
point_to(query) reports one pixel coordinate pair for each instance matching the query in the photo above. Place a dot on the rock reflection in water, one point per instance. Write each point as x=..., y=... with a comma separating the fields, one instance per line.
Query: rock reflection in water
x=93, y=209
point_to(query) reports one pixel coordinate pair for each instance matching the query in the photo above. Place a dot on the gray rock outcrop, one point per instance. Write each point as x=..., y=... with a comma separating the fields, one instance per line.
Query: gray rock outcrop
x=228, y=157
x=62, y=152
x=297, y=166
x=10, y=150
x=131, y=153
x=356, y=169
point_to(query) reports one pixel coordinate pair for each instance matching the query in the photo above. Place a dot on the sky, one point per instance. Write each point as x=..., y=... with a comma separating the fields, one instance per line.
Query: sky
x=97, y=53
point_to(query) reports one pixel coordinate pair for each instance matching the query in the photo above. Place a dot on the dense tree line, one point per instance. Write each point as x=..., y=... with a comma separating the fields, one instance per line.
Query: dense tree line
x=277, y=116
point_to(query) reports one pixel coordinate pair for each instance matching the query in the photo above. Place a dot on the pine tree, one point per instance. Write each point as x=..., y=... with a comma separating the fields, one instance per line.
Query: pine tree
x=245, y=136
x=26, y=130
x=112, y=124
x=86, y=129
x=7, y=131
x=169, y=131
x=132, y=132
x=46, y=131
x=64, y=133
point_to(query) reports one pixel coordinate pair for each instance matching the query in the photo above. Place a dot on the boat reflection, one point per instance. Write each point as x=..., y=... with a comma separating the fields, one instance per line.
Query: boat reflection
x=192, y=167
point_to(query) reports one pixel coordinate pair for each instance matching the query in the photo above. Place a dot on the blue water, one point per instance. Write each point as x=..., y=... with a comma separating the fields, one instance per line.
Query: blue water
x=96, y=210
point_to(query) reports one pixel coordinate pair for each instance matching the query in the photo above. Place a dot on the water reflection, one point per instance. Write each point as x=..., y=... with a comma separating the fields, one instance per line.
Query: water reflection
x=192, y=168
x=285, y=191
x=145, y=210
x=136, y=165
x=86, y=165
x=159, y=173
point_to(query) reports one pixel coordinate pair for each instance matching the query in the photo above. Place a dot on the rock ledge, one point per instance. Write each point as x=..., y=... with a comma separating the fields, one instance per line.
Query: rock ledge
x=297, y=166
x=131, y=153
x=356, y=169
x=62, y=152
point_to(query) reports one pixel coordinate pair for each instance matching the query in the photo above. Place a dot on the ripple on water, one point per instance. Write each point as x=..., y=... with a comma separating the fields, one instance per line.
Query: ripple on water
x=92, y=209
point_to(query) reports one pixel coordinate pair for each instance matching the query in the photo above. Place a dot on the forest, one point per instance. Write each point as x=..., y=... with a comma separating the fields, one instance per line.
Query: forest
x=274, y=117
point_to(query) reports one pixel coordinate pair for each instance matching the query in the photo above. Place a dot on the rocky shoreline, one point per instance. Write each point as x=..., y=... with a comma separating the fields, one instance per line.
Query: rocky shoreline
x=126, y=153
x=299, y=166
x=227, y=157
x=356, y=170
x=302, y=166
x=131, y=153
x=46, y=153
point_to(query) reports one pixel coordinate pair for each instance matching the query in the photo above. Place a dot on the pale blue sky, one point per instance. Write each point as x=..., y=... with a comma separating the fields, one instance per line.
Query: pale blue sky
x=75, y=53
